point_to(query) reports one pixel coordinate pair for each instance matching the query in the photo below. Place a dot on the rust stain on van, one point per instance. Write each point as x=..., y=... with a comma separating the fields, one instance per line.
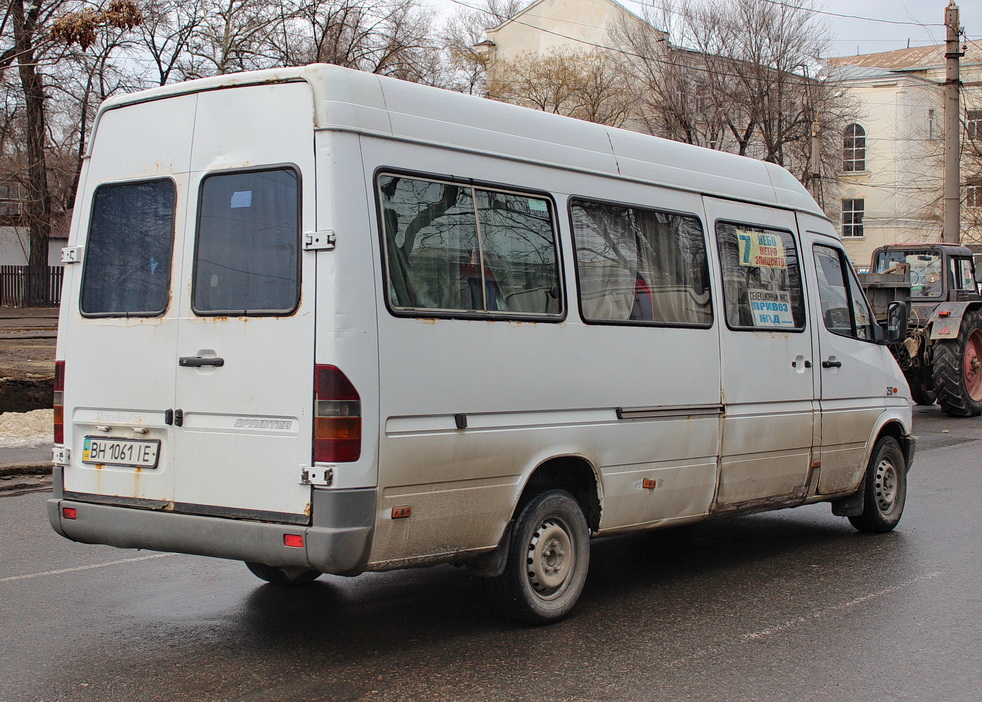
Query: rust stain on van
x=308, y=509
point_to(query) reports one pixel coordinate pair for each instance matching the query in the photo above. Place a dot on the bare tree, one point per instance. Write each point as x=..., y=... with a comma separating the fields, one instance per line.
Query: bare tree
x=33, y=34
x=739, y=75
x=465, y=63
x=585, y=85
x=166, y=33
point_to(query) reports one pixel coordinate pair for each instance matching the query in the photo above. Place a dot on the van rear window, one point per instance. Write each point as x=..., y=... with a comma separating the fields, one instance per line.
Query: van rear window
x=247, y=257
x=128, y=253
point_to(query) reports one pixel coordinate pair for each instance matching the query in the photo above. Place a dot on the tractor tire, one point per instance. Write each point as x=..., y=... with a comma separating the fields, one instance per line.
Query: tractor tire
x=922, y=395
x=957, y=369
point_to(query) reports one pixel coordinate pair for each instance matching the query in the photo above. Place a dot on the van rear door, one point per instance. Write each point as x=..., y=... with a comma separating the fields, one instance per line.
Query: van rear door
x=194, y=348
x=245, y=346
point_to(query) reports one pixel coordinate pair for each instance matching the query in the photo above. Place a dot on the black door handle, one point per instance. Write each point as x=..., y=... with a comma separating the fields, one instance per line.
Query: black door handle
x=199, y=361
x=831, y=364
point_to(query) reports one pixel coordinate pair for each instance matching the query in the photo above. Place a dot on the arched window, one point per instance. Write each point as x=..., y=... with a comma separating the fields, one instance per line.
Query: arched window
x=854, y=149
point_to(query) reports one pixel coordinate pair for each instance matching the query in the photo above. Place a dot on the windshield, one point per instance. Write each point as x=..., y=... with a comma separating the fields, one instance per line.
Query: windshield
x=924, y=267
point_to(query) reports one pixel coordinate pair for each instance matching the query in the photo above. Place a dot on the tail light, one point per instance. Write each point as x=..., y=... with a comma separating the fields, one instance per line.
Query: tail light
x=59, y=402
x=337, y=417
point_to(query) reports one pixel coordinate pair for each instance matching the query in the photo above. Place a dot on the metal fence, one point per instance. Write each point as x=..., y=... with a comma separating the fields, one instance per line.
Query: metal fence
x=30, y=286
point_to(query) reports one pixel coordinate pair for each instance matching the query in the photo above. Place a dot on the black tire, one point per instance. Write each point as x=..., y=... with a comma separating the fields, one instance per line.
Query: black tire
x=922, y=396
x=957, y=369
x=279, y=576
x=886, y=488
x=547, y=561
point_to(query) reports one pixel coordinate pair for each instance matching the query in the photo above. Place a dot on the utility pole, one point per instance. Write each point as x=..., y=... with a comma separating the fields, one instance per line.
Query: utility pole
x=815, y=165
x=951, y=231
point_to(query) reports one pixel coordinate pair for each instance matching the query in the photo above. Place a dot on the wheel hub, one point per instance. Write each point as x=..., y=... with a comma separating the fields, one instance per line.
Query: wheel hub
x=550, y=558
x=885, y=485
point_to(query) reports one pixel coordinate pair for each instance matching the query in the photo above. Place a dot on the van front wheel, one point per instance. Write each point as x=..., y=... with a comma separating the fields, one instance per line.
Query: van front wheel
x=886, y=488
x=283, y=576
x=547, y=561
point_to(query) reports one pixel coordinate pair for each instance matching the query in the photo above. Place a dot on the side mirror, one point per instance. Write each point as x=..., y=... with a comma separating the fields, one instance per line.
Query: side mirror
x=895, y=328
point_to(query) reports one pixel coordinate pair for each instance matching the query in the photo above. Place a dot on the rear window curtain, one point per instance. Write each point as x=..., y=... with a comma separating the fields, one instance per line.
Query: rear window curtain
x=459, y=249
x=761, y=278
x=247, y=257
x=128, y=252
x=640, y=266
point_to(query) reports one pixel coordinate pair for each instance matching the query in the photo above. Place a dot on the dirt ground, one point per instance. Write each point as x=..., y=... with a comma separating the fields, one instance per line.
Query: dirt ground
x=27, y=358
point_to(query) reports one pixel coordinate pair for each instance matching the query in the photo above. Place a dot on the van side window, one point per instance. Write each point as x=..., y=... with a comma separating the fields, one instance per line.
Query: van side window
x=128, y=253
x=844, y=309
x=640, y=266
x=761, y=278
x=247, y=254
x=453, y=247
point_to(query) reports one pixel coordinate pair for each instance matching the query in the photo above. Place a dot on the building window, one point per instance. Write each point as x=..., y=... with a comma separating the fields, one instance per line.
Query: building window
x=973, y=125
x=854, y=149
x=852, y=217
x=973, y=193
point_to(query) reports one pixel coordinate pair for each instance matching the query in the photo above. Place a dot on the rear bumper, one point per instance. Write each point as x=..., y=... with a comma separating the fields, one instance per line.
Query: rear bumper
x=338, y=541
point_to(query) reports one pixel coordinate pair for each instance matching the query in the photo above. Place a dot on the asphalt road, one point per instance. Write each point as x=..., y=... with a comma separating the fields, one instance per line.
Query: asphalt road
x=791, y=605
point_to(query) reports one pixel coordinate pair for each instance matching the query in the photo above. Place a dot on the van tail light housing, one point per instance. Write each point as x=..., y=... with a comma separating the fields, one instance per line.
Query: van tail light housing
x=59, y=402
x=337, y=417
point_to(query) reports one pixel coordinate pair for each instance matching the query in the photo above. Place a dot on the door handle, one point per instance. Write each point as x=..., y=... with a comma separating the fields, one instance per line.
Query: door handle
x=831, y=364
x=199, y=361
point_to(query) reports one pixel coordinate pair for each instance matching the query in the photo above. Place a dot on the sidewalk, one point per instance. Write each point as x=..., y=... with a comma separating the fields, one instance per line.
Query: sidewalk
x=25, y=468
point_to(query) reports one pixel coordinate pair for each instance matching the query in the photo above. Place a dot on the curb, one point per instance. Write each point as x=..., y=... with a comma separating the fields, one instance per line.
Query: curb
x=12, y=469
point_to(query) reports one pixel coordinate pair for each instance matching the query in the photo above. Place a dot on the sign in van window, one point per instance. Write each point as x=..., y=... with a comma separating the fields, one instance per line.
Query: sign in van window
x=761, y=278
x=457, y=249
x=128, y=251
x=247, y=254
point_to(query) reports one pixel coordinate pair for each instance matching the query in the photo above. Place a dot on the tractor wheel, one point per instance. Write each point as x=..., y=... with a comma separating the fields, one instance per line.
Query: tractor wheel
x=957, y=369
x=922, y=395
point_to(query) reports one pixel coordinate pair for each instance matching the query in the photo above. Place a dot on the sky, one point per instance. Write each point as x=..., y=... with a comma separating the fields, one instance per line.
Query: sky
x=886, y=25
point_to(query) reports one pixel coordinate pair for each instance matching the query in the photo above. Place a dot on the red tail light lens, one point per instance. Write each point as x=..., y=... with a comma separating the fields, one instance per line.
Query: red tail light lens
x=337, y=417
x=59, y=402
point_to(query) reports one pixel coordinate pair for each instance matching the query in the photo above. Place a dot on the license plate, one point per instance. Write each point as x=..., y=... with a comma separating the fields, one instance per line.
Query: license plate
x=121, y=452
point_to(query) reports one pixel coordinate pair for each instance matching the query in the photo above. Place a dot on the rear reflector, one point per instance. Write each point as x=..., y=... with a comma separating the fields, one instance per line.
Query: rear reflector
x=293, y=540
x=59, y=404
x=337, y=417
x=69, y=513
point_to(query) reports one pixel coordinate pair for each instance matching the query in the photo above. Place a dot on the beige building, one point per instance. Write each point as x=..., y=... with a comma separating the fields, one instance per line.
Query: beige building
x=888, y=187
x=550, y=25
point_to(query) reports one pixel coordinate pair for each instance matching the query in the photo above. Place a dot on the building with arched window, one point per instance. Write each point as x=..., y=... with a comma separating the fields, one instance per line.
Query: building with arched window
x=888, y=188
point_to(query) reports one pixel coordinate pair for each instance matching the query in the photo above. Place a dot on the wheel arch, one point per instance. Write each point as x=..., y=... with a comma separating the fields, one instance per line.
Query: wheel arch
x=893, y=426
x=573, y=473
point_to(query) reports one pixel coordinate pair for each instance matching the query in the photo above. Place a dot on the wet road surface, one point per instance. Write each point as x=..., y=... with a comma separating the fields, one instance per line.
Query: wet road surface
x=786, y=605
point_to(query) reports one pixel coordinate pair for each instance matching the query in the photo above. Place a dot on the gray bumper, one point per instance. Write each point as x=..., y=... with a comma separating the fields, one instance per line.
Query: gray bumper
x=339, y=541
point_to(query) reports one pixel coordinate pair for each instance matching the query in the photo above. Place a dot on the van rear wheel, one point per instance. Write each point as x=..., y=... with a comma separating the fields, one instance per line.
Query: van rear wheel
x=886, y=488
x=283, y=575
x=547, y=561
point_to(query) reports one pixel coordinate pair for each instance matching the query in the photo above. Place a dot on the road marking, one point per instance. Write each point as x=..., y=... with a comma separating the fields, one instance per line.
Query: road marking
x=819, y=613
x=790, y=624
x=86, y=567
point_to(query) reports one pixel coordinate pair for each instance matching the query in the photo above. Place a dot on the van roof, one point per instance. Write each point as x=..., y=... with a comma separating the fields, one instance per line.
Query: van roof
x=350, y=100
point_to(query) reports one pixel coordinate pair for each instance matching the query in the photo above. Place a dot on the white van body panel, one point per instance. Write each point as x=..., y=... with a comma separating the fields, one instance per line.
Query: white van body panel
x=459, y=414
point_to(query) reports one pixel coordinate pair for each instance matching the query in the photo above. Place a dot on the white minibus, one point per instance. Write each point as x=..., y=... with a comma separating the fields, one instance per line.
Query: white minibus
x=323, y=321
